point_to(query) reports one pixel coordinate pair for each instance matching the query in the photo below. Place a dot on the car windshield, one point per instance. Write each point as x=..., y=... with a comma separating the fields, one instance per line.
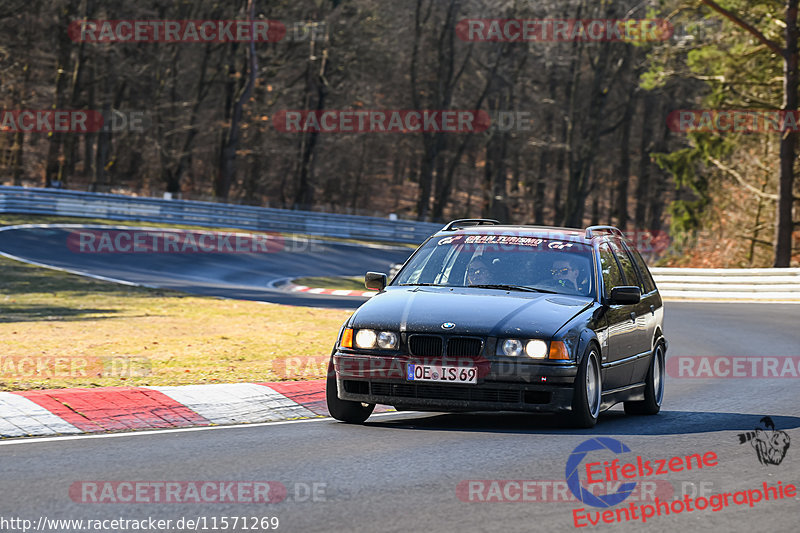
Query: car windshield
x=501, y=261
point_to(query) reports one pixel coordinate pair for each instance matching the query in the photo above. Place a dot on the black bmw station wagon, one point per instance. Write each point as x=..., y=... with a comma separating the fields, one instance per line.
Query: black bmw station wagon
x=486, y=317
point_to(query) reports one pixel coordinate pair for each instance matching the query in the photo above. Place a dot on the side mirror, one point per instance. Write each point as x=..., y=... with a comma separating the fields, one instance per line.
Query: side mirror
x=375, y=280
x=625, y=295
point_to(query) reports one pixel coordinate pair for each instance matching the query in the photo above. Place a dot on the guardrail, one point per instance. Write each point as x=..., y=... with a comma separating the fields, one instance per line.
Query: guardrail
x=752, y=284
x=782, y=284
x=36, y=201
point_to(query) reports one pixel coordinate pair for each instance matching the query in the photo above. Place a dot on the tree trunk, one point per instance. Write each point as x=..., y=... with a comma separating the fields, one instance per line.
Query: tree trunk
x=357, y=180
x=67, y=169
x=643, y=184
x=18, y=142
x=103, y=153
x=659, y=184
x=624, y=170
x=18, y=151
x=89, y=137
x=784, y=226
x=316, y=82
x=173, y=185
x=227, y=160
x=52, y=165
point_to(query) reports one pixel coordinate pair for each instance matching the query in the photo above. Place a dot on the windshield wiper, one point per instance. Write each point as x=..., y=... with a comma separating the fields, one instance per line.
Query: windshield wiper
x=512, y=288
x=422, y=285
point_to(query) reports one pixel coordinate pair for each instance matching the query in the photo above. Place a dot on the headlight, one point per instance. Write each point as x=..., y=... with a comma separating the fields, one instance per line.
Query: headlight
x=368, y=338
x=387, y=340
x=533, y=348
x=536, y=349
x=365, y=338
x=512, y=347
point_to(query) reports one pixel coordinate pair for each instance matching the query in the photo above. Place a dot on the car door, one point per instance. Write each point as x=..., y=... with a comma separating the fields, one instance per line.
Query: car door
x=653, y=307
x=617, y=360
x=638, y=340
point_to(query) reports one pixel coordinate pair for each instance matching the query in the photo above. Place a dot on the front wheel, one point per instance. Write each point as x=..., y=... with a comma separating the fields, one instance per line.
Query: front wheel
x=586, y=398
x=654, y=387
x=344, y=410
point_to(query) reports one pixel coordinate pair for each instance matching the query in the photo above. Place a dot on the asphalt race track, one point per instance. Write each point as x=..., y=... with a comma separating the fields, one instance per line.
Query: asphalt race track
x=245, y=276
x=401, y=471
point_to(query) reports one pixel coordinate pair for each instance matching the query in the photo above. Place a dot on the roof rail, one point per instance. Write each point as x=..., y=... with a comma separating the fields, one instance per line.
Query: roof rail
x=609, y=229
x=456, y=224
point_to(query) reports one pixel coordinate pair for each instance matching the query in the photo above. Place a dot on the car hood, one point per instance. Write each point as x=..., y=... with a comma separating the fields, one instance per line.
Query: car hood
x=480, y=312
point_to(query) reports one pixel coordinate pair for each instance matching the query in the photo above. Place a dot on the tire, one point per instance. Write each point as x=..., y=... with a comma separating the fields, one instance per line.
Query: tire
x=654, y=387
x=587, y=397
x=344, y=410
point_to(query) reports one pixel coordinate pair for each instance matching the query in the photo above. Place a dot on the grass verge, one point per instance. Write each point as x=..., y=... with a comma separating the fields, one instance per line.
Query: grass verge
x=57, y=326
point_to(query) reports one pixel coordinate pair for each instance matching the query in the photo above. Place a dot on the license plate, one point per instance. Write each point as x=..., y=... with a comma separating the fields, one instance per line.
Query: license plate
x=449, y=374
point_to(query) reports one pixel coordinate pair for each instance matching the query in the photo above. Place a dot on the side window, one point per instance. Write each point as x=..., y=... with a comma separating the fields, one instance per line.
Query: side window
x=647, y=278
x=611, y=274
x=628, y=270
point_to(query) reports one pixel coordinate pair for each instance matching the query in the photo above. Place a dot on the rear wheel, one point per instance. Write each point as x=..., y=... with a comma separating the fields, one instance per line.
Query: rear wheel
x=344, y=410
x=654, y=387
x=586, y=398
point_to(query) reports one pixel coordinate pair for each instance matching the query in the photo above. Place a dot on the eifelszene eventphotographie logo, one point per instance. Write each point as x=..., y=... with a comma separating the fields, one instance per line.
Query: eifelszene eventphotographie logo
x=573, y=479
x=625, y=472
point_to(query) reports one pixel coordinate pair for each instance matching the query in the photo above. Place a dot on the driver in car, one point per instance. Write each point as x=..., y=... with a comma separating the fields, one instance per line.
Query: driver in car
x=565, y=274
x=478, y=272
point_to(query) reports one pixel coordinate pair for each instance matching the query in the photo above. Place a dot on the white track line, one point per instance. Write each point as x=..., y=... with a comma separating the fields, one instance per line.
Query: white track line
x=147, y=432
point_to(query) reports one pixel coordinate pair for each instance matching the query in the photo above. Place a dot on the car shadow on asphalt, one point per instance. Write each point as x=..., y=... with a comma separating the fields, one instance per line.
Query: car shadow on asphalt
x=610, y=423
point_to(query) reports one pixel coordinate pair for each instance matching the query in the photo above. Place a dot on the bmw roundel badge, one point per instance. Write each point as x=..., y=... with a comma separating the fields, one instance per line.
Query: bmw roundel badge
x=448, y=325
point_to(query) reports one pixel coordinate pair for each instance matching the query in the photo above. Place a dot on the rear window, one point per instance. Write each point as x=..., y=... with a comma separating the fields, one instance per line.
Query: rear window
x=628, y=270
x=647, y=278
x=612, y=277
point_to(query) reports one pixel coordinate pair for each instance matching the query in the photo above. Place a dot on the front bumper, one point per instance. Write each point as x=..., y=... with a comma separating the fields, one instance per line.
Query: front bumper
x=503, y=385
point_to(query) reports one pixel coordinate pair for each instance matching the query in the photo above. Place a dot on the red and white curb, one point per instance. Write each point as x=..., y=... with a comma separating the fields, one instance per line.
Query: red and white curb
x=70, y=411
x=334, y=292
